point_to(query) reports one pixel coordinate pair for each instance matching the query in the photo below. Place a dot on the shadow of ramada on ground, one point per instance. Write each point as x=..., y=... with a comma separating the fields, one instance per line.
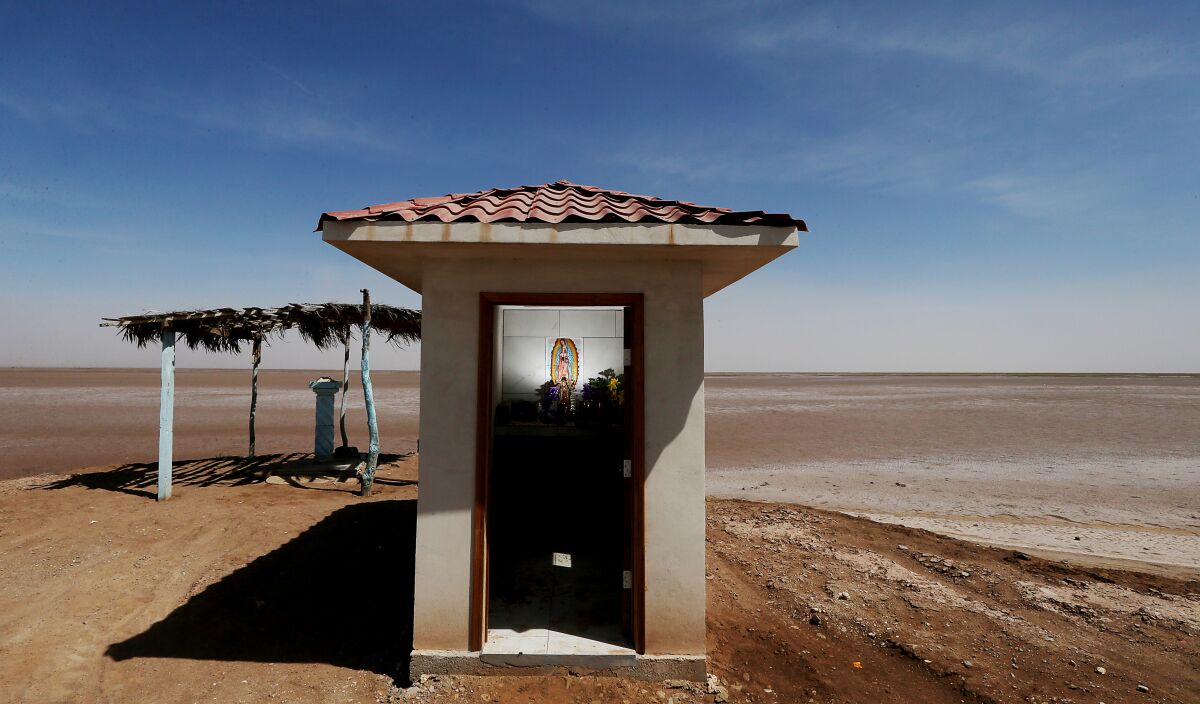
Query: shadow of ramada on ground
x=141, y=478
x=339, y=593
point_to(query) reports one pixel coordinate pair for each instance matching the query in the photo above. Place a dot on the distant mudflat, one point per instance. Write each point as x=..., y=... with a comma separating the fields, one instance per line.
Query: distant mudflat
x=1032, y=461
x=58, y=420
x=1104, y=466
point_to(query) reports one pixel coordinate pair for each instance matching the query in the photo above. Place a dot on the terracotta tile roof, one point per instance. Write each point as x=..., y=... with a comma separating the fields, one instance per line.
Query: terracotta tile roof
x=561, y=201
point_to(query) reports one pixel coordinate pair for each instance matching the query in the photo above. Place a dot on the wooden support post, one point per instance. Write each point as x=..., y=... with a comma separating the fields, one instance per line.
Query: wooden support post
x=368, y=473
x=345, y=385
x=255, y=359
x=166, y=415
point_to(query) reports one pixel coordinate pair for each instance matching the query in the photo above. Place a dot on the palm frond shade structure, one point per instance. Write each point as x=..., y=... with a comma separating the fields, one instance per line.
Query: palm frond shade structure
x=324, y=325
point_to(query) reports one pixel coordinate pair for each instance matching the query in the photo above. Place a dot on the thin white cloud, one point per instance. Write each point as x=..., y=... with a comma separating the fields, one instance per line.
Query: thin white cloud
x=1059, y=49
x=886, y=162
x=15, y=229
x=1041, y=195
x=279, y=72
x=1051, y=43
x=75, y=109
x=264, y=120
x=274, y=122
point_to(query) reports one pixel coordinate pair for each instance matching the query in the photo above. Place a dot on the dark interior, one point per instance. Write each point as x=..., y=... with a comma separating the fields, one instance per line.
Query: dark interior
x=557, y=489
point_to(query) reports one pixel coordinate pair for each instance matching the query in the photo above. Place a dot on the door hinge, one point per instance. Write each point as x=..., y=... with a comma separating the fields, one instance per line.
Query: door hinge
x=627, y=360
x=627, y=469
x=627, y=580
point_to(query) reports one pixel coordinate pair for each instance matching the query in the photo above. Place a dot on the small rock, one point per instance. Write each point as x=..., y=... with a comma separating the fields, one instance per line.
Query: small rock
x=1143, y=688
x=964, y=573
x=1020, y=555
x=902, y=547
x=814, y=620
x=901, y=485
x=1101, y=671
x=844, y=595
x=686, y=685
x=967, y=664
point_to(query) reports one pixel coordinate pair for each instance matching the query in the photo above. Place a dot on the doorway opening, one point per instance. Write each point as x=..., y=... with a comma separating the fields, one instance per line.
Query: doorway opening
x=561, y=478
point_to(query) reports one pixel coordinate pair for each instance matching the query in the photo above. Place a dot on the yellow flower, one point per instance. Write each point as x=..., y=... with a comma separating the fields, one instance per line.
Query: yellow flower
x=614, y=389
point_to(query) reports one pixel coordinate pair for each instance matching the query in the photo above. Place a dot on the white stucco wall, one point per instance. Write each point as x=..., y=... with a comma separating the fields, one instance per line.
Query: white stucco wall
x=674, y=436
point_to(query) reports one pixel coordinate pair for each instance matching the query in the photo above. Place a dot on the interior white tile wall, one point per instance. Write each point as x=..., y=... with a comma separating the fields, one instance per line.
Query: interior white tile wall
x=525, y=331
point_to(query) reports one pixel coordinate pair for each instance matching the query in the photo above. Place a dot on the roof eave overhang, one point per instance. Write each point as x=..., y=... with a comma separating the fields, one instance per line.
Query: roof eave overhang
x=400, y=249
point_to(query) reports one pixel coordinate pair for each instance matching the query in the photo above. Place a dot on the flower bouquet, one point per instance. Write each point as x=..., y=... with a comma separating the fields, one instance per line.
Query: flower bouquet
x=602, y=399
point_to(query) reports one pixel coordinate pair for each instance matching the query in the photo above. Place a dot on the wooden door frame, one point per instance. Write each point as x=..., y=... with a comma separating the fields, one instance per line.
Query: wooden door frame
x=484, y=410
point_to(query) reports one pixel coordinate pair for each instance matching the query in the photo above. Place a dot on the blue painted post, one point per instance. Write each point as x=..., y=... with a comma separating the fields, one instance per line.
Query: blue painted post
x=166, y=415
x=368, y=474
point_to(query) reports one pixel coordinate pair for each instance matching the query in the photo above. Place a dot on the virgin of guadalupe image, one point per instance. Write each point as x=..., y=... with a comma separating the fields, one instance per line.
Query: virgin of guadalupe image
x=564, y=369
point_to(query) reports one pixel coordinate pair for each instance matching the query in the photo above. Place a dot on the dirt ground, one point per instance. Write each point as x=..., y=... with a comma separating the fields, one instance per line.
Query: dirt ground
x=239, y=590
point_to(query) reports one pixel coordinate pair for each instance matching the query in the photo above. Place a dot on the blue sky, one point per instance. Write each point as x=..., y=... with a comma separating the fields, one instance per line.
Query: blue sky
x=990, y=187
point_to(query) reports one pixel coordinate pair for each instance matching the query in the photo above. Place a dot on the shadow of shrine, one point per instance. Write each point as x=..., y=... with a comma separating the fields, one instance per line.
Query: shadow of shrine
x=304, y=601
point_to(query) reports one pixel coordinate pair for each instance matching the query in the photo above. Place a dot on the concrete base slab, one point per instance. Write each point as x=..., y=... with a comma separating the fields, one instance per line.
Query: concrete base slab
x=651, y=668
x=545, y=641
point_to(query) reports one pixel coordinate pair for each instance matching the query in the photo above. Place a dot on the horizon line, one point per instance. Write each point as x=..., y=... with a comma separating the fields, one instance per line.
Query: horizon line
x=706, y=373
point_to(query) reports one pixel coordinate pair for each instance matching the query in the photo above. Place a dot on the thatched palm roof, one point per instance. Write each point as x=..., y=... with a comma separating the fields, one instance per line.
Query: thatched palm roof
x=325, y=325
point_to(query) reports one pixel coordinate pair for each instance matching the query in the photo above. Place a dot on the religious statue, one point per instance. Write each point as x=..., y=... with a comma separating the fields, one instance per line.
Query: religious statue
x=566, y=387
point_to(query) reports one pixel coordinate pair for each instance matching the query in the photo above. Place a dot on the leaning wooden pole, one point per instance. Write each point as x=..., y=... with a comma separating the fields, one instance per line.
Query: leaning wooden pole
x=368, y=473
x=255, y=359
x=345, y=385
x=166, y=414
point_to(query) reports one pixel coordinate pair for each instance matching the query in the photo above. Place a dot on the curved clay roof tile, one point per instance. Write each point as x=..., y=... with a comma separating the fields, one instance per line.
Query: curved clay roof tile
x=561, y=201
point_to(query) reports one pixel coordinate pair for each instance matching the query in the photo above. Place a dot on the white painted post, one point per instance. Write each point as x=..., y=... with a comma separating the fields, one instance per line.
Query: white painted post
x=166, y=415
x=255, y=360
x=324, y=388
x=345, y=386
